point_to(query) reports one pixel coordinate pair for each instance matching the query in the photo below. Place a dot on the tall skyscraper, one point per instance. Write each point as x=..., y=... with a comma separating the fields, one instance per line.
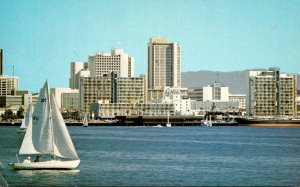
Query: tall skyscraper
x=164, y=60
x=105, y=63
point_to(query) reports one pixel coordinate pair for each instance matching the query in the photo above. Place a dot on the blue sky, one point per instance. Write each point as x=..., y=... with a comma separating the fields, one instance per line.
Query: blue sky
x=41, y=37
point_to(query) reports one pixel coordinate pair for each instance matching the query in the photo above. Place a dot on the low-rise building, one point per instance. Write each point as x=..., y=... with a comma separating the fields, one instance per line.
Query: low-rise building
x=66, y=98
x=201, y=107
x=240, y=98
x=111, y=110
x=177, y=97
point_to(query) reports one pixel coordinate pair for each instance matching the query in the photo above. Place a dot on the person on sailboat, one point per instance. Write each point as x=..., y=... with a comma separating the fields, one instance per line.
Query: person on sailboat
x=27, y=160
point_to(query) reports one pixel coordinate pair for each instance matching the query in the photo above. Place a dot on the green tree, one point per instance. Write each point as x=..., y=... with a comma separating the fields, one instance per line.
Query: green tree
x=20, y=112
x=8, y=114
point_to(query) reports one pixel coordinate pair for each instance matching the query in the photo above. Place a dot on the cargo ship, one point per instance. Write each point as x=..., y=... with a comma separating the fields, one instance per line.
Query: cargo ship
x=267, y=122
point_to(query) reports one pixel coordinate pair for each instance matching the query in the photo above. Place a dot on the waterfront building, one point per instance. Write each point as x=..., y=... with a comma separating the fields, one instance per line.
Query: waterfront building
x=8, y=85
x=128, y=90
x=163, y=64
x=111, y=110
x=111, y=89
x=104, y=63
x=213, y=92
x=66, y=98
x=177, y=97
x=15, y=101
x=93, y=89
x=216, y=96
x=271, y=93
x=240, y=98
x=195, y=94
x=201, y=107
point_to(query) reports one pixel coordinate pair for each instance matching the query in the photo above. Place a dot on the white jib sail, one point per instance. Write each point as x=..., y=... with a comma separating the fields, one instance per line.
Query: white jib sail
x=28, y=118
x=63, y=145
x=27, y=145
x=42, y=132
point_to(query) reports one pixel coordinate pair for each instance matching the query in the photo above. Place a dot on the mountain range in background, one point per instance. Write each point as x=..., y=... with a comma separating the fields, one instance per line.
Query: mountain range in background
x=237, y=81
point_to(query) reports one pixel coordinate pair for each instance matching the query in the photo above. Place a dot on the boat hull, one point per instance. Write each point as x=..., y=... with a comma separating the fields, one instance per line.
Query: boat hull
x=52, y=164
x=268, y=122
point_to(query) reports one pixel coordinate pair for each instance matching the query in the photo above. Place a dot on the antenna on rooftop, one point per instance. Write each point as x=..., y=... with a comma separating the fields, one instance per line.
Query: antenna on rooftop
x=13, y=71
x=217, y=79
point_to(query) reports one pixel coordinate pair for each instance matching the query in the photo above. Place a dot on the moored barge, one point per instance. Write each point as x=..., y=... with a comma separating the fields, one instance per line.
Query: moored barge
x=267, y=122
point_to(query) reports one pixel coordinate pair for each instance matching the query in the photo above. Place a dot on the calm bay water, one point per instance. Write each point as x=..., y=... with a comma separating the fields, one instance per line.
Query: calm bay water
x=114, y=156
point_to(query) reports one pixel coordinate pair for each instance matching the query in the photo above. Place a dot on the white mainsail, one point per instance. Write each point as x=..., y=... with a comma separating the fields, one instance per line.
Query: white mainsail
x=63, y=143
x=42, y=132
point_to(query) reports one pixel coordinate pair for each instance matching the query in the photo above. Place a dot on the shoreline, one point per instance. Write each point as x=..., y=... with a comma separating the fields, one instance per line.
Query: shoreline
x=118, y=124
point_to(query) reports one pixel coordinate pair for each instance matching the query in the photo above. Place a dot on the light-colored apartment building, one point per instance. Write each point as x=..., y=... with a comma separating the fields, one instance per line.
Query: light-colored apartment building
x=8, y=85
x=240, y=98
x=216, y=94
x=213, y=92
x=105, y=63
x=164, y=59
x=271, y=93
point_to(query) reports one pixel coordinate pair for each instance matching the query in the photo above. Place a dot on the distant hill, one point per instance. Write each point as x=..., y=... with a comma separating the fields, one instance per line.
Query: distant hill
x=235, y=80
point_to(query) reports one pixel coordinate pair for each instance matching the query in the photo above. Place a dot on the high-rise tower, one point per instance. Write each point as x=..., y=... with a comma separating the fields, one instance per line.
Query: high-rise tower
x=163, y=64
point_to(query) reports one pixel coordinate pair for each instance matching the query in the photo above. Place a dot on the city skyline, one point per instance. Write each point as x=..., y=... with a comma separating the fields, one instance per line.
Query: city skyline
x=41, y=38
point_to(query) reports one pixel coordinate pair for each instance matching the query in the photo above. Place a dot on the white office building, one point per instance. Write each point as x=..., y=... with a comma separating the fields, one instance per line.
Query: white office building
x=181, y=103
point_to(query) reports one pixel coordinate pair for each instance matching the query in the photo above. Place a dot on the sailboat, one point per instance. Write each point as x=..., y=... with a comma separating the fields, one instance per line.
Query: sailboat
x=48, y=136
x=207, y=123
x=27, y=120
x=168, y=122
x=85, y=121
